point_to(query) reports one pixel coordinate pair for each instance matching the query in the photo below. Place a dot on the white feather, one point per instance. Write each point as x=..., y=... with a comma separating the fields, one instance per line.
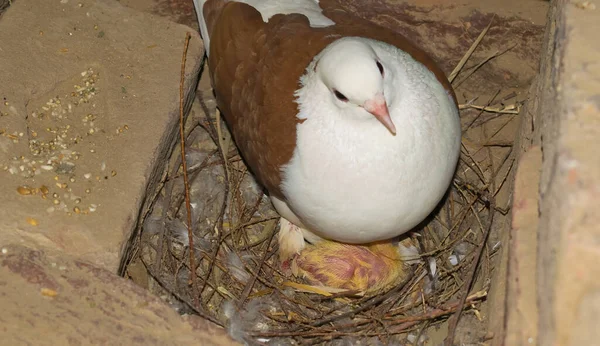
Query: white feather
x=432, y=266
x=198, y=5
x=269, y=8
x=309, y=8
x=453, y=259
x=409, y=253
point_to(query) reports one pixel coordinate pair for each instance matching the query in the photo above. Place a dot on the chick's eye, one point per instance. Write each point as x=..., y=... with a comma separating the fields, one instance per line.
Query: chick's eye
x=380, y=67
x=340, y=96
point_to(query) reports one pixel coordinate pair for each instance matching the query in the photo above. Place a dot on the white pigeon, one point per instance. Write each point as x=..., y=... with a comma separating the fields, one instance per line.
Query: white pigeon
x=352, y=129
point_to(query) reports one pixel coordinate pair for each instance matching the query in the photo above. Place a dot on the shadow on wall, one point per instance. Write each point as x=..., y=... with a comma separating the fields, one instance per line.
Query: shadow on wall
x=4, y=4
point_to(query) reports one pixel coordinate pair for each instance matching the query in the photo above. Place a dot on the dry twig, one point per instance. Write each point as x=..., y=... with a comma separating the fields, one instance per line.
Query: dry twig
x=240, y=227
x=184, y=169
x=453, y=322
x=467, y=55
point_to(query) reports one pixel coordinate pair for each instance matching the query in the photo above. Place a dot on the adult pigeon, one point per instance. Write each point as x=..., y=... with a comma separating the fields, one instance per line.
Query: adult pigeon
x=352, y=129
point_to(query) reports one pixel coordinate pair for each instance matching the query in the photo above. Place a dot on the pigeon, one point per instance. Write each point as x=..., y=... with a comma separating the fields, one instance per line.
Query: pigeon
x=353, y=130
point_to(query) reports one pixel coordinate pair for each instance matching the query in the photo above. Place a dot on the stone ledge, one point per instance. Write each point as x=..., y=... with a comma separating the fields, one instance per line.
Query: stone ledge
x=50, y=299
x=103, y=146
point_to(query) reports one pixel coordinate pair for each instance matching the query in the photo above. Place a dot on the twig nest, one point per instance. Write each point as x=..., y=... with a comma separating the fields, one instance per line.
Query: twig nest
x=369, y=269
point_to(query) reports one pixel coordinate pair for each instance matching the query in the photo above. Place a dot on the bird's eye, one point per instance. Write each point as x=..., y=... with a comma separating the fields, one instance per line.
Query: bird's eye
x=380, y=67
x=340, y=96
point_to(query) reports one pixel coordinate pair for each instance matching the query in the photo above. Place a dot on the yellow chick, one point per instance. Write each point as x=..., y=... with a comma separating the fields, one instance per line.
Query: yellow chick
x=370, y=268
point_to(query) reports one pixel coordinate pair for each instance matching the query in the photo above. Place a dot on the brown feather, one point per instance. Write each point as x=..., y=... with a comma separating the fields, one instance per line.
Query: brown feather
x=255, y=69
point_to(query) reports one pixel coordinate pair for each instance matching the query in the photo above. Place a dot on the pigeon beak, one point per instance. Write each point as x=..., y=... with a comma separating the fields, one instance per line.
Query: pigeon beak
x=378, y=107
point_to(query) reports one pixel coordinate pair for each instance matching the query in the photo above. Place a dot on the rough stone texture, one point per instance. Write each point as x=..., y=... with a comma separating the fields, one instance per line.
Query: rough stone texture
x=51, y=299
x=522, y=310
x=569, y=233
x=137, y=59
x=180, y=11
x=563, y=114
x=515, y=276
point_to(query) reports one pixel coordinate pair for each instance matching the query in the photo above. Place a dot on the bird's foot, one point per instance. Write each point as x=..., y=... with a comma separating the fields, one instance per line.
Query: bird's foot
x=291, y=243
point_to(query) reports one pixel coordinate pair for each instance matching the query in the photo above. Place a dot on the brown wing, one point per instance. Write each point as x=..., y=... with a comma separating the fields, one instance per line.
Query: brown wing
x=255, y=69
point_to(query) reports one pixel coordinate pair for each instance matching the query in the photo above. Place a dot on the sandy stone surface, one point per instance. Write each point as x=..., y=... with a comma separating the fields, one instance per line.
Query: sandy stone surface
x=522, y=310
x=88, y=113
x=48, y=298
x=569, y=232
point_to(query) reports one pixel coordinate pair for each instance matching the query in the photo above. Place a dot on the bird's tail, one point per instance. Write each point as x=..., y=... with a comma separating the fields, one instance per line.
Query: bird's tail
x=208, y=12
x=205, y=13
x=199, y=5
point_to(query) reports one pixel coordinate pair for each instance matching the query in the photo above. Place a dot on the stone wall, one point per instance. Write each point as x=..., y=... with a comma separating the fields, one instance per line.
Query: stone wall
x=559, y=299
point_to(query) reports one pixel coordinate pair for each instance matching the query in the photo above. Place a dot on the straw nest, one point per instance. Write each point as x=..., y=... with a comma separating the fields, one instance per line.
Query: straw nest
x=238, y=283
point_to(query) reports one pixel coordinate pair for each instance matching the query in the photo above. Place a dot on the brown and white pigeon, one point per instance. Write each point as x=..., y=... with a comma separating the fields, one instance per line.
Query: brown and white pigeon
x=352, y=129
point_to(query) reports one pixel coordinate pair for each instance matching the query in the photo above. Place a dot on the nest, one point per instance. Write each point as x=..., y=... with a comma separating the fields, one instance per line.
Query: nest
x=238, y=284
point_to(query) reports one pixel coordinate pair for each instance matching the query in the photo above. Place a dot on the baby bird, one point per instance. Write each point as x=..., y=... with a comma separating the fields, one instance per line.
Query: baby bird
x=369, y=269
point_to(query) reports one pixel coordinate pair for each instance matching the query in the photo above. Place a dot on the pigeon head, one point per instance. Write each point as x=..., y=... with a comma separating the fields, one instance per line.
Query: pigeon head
x=355, y=75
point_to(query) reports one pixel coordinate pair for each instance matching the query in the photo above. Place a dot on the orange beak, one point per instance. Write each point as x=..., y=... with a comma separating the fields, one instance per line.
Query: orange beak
x=378, y=107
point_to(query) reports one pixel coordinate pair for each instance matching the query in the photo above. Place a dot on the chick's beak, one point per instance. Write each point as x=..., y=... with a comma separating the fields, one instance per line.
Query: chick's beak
x=378, y=107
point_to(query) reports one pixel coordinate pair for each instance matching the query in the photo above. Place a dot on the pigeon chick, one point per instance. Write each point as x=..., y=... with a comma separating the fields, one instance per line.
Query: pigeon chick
x=369, y=269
